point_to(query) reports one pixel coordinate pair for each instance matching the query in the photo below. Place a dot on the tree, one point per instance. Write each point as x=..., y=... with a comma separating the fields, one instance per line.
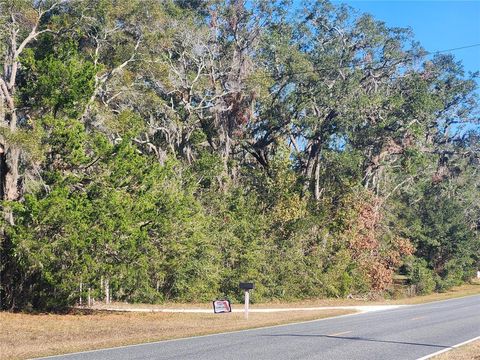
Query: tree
x=22, y=23
x=168, y=150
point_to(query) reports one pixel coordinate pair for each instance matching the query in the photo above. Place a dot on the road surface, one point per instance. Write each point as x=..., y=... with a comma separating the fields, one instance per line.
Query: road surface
x=403, y=333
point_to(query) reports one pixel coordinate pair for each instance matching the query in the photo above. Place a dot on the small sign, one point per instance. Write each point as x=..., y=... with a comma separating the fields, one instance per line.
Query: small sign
x=221, y=306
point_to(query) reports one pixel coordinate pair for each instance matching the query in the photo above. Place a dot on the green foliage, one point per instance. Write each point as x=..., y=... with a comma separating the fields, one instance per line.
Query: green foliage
x=99, y=227
x=67, y=141
x=28, y=139
x=60, y=80
x=173, y=149
x=126, y=124
x=422, y=277
x=443, y=238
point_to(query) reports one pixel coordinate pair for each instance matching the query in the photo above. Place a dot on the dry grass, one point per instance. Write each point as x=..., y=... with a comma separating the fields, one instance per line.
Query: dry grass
x=25, y=335
x=467, y=352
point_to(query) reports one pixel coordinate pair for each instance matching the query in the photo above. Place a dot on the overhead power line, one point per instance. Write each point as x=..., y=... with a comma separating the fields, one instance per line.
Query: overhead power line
x=454, y=49
x=401, y=59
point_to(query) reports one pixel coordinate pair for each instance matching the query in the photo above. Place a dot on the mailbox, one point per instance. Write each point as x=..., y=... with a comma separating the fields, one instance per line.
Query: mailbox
x=247, y=286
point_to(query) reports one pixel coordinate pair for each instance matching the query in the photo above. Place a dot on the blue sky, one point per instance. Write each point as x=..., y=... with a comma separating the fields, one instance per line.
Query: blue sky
x=437, y=25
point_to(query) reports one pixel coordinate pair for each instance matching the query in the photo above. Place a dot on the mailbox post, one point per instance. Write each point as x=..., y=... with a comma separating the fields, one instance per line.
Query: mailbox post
x=246, y=287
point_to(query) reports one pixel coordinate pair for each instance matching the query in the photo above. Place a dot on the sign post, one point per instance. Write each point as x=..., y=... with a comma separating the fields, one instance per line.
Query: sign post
x=247, y=302
x=246, y=287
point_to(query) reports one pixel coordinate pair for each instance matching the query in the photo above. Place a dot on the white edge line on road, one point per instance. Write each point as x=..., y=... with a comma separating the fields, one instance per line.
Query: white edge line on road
x=449, y=348
x=199, y=336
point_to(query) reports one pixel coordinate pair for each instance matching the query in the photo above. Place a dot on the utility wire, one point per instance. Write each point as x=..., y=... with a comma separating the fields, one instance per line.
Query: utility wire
x=455, y=49
x=401, y=59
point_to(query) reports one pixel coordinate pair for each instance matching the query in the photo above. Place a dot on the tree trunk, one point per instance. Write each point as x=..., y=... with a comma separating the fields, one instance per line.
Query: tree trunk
x=12, y=175
x=311, y=166
x=317, y=178
x=9, y=176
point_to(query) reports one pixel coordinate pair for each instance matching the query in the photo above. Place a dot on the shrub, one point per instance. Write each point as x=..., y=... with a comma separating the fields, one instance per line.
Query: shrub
x=422, y=277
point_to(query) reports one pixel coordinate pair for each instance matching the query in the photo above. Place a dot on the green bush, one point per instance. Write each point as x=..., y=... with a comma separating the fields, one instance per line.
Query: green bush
x=422, y=277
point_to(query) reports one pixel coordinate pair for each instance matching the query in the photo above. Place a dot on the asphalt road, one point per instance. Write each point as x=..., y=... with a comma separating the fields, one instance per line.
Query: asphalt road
x=404, y=333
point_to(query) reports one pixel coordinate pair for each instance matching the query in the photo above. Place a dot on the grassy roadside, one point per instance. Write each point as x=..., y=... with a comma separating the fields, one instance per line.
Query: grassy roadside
x=24, y=335
x=27, y=335
x=467, y=352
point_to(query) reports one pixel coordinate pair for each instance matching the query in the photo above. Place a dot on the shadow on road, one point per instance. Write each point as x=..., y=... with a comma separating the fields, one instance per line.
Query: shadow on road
x=360, y=339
